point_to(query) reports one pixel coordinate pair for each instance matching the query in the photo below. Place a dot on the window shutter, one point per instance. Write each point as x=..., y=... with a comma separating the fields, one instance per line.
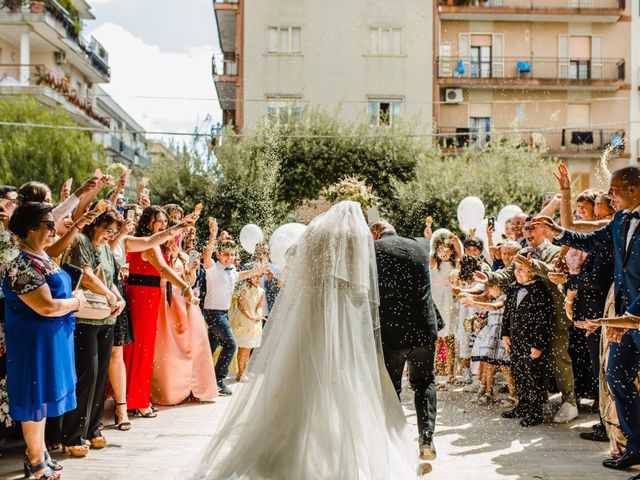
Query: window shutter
x=445, y=61
x=464, y=45
x=563, y=56
x=497, y=55
x=596, y=57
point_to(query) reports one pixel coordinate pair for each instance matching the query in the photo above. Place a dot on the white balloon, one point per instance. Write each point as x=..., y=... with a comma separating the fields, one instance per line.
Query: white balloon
x=282, y=239
x=470, y=213
x=250, y=236
x=506, y=213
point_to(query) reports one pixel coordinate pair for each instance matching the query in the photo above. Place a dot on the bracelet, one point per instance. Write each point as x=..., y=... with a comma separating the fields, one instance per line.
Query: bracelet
x=77, y=309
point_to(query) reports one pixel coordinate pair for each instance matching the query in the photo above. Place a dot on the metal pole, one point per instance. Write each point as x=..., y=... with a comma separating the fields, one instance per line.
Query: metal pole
x=634, y=98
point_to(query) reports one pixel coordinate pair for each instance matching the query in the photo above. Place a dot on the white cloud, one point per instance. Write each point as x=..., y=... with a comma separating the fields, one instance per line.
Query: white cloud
x=142, y=70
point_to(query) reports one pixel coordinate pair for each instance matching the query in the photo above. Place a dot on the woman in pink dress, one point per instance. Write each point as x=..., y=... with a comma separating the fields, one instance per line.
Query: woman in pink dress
x=183, y=365
x=147, y=270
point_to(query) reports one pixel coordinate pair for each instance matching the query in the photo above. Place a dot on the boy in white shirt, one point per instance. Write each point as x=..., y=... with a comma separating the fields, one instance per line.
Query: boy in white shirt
x=221, y=278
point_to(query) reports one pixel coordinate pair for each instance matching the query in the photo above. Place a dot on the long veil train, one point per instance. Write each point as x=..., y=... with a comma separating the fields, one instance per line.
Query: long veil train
x=316, y=401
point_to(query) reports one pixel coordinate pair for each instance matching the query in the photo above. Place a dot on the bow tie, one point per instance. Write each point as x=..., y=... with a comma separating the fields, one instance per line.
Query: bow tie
x=227, y=269
x=630, y=215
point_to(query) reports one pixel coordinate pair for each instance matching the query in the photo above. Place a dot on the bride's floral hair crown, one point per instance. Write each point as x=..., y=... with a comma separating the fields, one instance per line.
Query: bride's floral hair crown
x=353, y=189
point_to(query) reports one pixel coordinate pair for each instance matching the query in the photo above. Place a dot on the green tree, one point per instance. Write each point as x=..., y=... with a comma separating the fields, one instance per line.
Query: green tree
x=500, y=174
x=48, y=155
x=317, y=150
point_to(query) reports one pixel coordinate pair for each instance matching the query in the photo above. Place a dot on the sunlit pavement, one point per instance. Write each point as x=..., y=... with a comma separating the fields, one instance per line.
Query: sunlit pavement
x=472, y=442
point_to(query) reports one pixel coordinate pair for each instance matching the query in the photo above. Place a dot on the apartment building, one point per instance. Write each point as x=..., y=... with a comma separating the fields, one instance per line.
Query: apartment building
x=370, y=60
x=555, y=73
x=126, y=142
x=44, y=54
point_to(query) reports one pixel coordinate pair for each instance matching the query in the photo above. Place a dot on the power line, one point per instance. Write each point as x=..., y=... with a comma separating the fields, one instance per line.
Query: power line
x=511, y=131
x=361, y=102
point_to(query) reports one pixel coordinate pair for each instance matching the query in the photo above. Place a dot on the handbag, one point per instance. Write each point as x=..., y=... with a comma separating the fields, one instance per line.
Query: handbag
x=97, y=307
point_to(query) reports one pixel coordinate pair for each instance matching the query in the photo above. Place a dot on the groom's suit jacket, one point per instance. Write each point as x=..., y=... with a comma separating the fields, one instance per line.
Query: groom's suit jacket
x=626, y=276
x=408, y=316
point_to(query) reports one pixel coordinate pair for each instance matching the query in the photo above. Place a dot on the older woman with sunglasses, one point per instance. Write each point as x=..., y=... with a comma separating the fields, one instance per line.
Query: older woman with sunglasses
x=93, y=338
x=39, y=325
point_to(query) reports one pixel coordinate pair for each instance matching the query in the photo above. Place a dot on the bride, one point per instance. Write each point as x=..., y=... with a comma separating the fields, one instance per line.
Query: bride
x=316, y=401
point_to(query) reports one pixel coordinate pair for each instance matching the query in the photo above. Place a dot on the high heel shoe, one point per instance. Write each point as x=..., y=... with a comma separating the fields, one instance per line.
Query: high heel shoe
x=47, y=474
x=53, y=464
x=122, y=426
x=77, y=451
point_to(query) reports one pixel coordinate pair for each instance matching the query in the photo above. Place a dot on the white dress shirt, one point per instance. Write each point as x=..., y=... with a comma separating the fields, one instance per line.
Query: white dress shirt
x=220, y=285
x=632, y=225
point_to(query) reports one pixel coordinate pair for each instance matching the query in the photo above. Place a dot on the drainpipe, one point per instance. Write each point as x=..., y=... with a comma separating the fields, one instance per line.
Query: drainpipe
x=634, y=100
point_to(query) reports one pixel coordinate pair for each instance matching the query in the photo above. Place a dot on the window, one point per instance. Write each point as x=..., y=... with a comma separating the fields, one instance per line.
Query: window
x=285, y=40
x=385, y=41
x=579, y=69
x=384, y=112
x=283, y=110
x=478, y=125
x=480, y=62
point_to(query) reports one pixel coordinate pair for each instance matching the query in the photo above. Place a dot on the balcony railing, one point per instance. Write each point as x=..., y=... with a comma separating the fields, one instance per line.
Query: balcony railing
x=564, y=141
x=224, y=64
x=537, y=4
x=523, y=68
x=91, y=49
x=225, y=1
x=14, y=75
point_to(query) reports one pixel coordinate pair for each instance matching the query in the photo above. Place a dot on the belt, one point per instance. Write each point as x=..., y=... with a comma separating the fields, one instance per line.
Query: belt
x=220, y=312
x=144, y=280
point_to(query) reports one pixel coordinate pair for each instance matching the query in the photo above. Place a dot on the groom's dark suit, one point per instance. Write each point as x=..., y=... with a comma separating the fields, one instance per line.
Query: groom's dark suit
x=408, y=319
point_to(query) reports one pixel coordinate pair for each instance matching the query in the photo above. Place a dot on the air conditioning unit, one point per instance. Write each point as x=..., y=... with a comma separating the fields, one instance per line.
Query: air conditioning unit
x=453, y=95
x=60, y=57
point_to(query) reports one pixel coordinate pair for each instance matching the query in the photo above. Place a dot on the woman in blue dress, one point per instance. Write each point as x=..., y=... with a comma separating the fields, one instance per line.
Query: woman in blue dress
x=39, y=326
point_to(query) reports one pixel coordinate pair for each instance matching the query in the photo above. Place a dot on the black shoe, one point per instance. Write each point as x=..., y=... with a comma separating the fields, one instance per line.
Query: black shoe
x=515, y=413
x=597, y=435
x=637, y=477
x=504, y=389
x=529, y=421
x=427, y=450
x=224, y=390
x=625, y=461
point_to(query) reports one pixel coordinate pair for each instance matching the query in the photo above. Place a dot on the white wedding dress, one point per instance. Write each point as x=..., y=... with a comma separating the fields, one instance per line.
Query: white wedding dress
x=316, y=401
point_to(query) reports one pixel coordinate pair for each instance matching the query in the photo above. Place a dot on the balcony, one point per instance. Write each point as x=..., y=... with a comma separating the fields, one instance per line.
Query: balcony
x=591, y=11
x=51, y=90
x=567, y=142
x=224, y=68
x=521, y=73
x=226, y=21
x=125, y=153
x=55, y=27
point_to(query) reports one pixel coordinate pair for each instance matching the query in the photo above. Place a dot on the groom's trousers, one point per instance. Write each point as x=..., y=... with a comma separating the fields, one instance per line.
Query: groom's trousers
x=421, y=378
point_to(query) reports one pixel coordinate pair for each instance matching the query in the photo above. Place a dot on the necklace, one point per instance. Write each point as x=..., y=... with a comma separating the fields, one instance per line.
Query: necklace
x=29, y=249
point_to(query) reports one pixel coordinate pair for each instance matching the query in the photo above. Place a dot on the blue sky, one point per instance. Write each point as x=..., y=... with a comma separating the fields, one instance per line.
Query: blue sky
x=159, y=48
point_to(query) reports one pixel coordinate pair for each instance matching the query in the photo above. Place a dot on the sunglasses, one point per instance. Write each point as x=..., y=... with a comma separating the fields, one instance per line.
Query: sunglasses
x=50, y=224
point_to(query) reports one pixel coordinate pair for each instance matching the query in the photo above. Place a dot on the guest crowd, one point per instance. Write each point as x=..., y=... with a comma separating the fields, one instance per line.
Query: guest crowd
x=106, y=299
x=532, y=306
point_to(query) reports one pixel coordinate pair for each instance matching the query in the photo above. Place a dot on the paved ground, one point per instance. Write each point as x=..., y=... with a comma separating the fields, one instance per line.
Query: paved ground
x=473, y=442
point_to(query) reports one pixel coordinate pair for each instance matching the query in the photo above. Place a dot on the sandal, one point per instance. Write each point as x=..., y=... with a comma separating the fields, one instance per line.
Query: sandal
x=53, y=464
x=150, y=413
x=122, y=426
x=98, y=443
x=77, y=451
x=47, y=474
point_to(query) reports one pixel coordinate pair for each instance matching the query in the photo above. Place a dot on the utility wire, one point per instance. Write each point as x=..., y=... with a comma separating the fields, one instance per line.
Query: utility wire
x=302, y=136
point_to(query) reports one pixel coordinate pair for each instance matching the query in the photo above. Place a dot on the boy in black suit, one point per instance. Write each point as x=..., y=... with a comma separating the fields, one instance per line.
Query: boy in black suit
x=526, y=333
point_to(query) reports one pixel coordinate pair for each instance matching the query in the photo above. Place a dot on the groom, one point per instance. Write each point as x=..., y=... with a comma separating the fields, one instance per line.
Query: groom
x=409, y=321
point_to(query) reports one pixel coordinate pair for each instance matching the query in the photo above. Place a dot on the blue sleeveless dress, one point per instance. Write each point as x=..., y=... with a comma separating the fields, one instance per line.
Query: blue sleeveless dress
x=41, y=375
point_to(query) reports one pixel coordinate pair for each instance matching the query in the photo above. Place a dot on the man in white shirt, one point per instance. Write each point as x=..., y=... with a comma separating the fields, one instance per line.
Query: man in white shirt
x=221, y=278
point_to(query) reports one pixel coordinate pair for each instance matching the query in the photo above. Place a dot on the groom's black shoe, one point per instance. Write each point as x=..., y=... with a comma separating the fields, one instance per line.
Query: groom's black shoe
x=514, y=413
x=625, y=461
x=427, y=450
